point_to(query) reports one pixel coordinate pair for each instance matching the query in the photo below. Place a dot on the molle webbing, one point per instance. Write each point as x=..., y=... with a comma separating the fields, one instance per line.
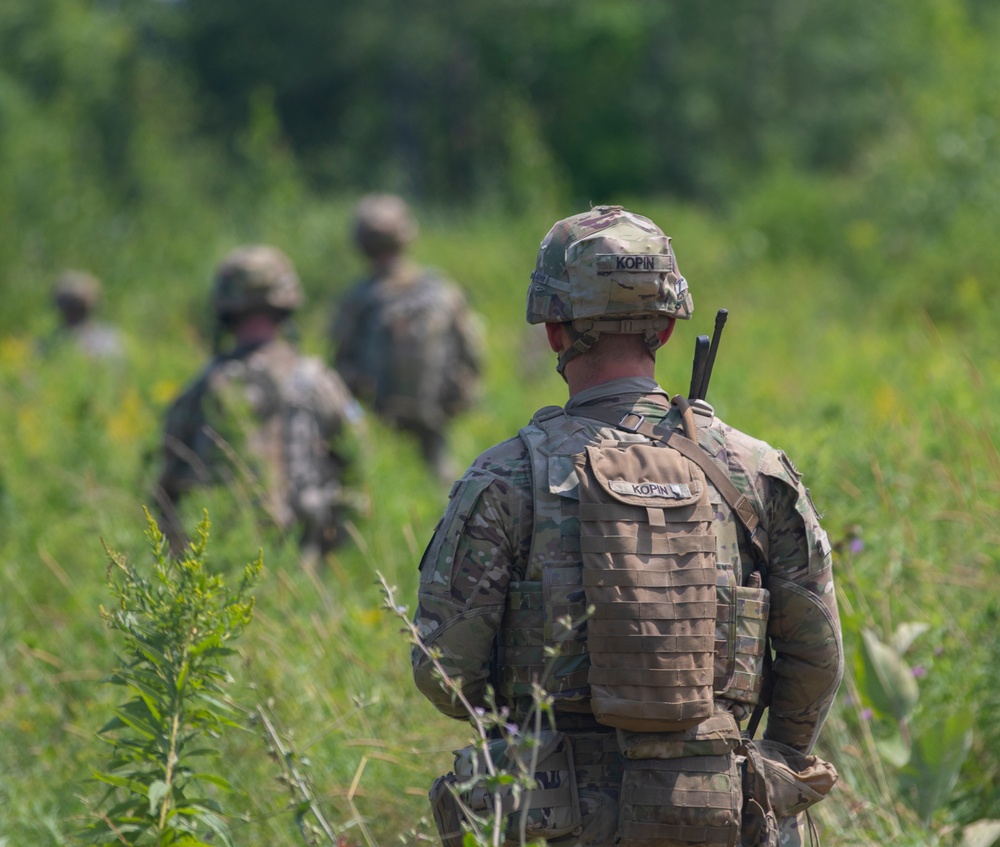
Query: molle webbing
x=738, y=502
x=553, y=586
x=691, y=801
x=649, y=573
x=551, y=589
x=532, y=622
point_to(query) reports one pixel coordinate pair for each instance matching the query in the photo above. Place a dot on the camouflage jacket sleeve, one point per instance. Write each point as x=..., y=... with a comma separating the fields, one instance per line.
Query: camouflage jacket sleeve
x=183, y=465
x=345, y=432
x=804, y=625
x=347, y=327
x=464, y=575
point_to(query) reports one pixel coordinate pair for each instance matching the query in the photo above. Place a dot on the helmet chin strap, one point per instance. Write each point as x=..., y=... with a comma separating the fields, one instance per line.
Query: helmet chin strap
x=585, y=332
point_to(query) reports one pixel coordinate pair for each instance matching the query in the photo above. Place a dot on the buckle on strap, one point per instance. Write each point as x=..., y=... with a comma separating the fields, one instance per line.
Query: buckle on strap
x=640, y=420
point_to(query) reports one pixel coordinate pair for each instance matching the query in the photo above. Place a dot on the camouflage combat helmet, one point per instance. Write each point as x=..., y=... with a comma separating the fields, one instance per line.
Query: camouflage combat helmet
x=383, y=225
x=76, y=293
x=607, y=270
x=253, y=278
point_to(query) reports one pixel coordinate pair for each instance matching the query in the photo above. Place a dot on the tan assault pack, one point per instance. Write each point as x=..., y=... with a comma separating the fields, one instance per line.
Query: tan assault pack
x=649, y=573
x=672, y=628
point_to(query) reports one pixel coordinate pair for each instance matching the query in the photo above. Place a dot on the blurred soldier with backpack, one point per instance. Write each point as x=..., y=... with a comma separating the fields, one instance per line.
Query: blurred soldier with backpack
x=639, y=559
x=76, y=295
x=263, y=416
x=404, y=339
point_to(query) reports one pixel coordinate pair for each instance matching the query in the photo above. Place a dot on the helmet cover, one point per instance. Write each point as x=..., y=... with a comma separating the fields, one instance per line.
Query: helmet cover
x=383, y=225
x=607, y=263
x=253, y=278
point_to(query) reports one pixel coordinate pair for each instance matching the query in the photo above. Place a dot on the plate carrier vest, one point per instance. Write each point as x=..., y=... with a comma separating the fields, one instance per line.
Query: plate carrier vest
x=643, y=527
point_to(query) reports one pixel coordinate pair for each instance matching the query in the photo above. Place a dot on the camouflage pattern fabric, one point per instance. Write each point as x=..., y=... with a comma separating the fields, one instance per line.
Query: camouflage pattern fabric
x=407, y=345
x=607, y=270
x=483, y=541
x=607, y=263
x=76, y=295
x=283, y=425
x=94, y=339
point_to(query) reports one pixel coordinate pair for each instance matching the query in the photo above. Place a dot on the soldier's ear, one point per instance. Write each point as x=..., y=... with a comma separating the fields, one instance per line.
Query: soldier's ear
x=664, y=334
x=557, y=335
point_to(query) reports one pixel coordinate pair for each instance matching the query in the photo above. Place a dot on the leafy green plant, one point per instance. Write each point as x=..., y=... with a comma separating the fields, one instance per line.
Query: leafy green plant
x=926, y=756
x=176, y=628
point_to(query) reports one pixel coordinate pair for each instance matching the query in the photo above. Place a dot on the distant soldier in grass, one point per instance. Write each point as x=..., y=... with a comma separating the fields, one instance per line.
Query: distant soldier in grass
x=76, y=296
x=404, y=339
x=640, y=559
x=263, y=418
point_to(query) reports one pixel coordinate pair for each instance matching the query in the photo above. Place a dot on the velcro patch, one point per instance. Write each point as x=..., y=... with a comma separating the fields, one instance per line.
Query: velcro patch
x=609, y=263
x=672, y=490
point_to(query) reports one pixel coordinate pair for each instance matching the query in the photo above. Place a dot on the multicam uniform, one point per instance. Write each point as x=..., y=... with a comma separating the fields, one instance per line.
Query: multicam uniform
x=76, y=296
x=263, y=417
x=482, y=545
x=506, y=563
x=405, y=340
x=287, y=419
x=405, y=343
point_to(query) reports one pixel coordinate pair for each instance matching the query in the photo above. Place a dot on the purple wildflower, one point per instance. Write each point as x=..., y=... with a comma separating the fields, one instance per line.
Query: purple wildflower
x=856, y=545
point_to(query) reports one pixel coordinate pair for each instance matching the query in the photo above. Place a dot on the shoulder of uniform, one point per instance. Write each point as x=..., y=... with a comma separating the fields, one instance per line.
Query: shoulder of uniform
x=547, y=413
x=759, y=456
x=503, y=461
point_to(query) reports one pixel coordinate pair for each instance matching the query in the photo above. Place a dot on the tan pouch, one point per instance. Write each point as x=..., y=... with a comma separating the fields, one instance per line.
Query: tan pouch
x=795, y=781
x=447, y=810
x=550, y=810
x=648, y=551
x=741, y=638
x=680, y=802
x=714, y=736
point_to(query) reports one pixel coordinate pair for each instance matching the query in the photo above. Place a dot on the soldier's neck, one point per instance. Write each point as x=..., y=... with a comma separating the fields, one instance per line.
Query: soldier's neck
x=255, y=329
x=581, y=377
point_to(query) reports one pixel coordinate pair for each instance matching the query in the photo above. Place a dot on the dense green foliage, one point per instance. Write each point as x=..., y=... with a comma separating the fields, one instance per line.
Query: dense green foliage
x=829, y=172
x=176, y=630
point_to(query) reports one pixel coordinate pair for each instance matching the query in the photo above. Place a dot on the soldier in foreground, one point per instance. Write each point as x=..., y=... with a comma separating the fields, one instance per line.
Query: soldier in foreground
x=404, y=339
x=693, y=544
x=76, y=295
x=261, y=410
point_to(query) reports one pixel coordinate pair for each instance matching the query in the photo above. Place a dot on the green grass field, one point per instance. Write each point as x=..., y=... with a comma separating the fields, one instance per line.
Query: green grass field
x=889, y=412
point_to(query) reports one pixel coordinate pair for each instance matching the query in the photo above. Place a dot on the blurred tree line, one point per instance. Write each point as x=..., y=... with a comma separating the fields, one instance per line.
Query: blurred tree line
x=446, y=98
x=876, y=122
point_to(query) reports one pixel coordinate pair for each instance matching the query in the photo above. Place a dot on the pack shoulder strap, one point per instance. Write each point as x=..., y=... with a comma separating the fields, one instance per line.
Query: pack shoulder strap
x=738, y=502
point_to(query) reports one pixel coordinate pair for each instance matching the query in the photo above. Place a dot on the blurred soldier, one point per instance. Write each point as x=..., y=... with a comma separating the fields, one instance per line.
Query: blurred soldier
x=263, y=410
x=75, y=296
x=691, y=544
x=404, y=339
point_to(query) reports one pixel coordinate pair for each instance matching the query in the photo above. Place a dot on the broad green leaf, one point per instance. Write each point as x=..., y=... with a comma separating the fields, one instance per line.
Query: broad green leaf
x=888, y=681
x=938, y=755
x=157, y=791
x=906, y=634
x=984, y=833
x=894, y=750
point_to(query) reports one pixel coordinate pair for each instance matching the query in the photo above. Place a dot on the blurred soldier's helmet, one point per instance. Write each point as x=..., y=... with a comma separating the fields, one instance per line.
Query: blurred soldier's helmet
x=255, y=278
x=607, y=270
x=383, y=225
x=76, y=293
